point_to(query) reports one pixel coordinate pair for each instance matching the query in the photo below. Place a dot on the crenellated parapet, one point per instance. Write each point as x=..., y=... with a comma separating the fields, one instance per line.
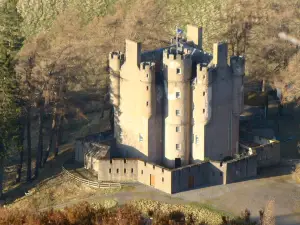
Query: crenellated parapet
x=116, y=60
x=147, y=72
x=177, y=66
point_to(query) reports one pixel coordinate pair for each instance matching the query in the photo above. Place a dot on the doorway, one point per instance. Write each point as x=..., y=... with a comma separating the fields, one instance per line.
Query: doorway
x=152, y=180
x=191, y=182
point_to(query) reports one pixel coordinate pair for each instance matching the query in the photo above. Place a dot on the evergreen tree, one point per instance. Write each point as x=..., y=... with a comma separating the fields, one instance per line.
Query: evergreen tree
x=10, y=42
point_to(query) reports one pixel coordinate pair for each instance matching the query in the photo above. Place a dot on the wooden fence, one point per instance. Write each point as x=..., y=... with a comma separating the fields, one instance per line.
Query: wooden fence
x=94, y=184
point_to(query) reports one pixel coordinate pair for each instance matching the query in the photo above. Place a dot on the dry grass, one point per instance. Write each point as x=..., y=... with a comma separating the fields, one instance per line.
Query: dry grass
x=201, y=214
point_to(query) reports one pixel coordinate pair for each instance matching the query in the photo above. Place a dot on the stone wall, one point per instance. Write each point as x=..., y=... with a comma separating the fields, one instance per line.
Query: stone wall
x=190, y=177
x=155, y=176
x=244, y=168
x=268, y=155
x=121, y=170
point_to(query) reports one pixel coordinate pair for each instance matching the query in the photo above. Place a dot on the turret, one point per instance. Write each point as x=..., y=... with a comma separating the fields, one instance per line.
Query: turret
x=115, y=61
x=203, y=94
x=147, y=78
x=237, y=65
x=177, y=75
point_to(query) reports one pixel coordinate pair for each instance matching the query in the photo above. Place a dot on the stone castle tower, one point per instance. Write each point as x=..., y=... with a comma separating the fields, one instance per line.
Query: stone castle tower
x=177, y=105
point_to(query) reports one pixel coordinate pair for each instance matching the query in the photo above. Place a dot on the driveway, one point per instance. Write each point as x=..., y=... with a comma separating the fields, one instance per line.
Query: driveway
x=232, y=198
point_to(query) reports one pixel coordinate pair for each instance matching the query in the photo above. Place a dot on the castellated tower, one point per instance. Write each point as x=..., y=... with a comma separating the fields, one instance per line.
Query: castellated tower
x=177, y=76
x=115, y=61
x=218, y=102
x=202, y=109
x=137, y=119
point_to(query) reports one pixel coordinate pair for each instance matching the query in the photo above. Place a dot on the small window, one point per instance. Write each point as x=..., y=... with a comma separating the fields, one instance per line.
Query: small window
x=125, y=161
x=117, y=170
x=131, y=170
x=110, y=161
x=141, y=171
x=153, y=167
x=177, y=94
x=203, y=76
x=177, y=112
x=147, y=75
x=124, y=170
x=197, y=139
x=145, y=163
x=177, y=129
x=203, y=110
x=109, y=170
x=203, y=93
x=147, y=88
x=162, y=170
x=140, y=138
x=178, y=70
x=147, y=103
x=178, y=146
x=162, y=179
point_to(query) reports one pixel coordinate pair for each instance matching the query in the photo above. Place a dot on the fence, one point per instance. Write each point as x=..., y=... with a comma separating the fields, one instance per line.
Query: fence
x=89, y=183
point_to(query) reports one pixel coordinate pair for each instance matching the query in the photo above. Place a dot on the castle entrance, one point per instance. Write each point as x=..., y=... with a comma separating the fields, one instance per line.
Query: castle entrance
x=152, y=180
x=191, y=182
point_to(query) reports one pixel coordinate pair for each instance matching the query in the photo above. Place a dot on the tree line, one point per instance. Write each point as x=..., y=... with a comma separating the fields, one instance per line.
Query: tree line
x=41, y=71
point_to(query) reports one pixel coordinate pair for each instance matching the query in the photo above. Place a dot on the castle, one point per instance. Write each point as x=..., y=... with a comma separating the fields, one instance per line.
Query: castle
x=177, y=105
x=176, y=119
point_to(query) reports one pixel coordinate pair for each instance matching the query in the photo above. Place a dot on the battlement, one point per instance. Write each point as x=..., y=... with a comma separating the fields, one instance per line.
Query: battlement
x=237, y=64
x=147, y=66
x=116, y=55
x=171, y=54
x=202, y=67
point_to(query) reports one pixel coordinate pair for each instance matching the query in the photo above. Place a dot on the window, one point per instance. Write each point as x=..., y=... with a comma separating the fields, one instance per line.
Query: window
x=147, y=103
x=124, y=170
x=178, y=146
x=125, y=161
x=153, y=167
x=147, y=88
x=203, y=110
x=197, y=139
x=162, y=179
x=131, y=170
x=109, y=170
x=177, y=112
x=140, y=138
x=162, y=170
x=117, y=170
x=145, y=163
x=147, y=75
x=178, y=70
x=177, y=94
x=141, y=171
x=177, y=129
x=110, y=161
x=203, y=93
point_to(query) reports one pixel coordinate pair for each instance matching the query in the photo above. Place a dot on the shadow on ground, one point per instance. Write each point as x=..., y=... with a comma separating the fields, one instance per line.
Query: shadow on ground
x=52, y=168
